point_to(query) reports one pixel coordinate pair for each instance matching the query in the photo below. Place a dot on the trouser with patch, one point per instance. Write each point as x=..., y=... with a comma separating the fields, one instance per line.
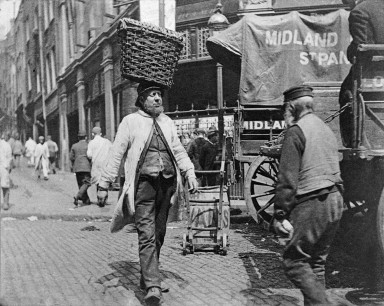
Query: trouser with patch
x=315, y=223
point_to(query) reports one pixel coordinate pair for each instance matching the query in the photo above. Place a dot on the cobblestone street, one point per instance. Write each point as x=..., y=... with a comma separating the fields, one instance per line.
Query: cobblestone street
x=51, y=261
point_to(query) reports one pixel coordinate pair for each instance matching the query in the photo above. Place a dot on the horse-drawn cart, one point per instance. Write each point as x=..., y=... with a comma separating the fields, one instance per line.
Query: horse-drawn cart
x=362, y=162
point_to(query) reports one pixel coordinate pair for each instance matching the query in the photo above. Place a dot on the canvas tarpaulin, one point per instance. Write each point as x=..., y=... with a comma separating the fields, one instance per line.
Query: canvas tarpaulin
x=274, y=53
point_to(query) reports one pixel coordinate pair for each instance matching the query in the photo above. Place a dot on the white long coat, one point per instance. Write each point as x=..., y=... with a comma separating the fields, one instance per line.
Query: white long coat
x=131, y=137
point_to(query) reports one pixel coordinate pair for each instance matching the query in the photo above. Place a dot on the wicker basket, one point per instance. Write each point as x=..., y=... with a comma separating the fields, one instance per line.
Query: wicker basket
x=148, y=53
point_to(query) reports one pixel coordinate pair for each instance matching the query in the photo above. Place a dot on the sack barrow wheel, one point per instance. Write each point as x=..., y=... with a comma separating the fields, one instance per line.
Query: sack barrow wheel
x=223, y=250
x=185, y=244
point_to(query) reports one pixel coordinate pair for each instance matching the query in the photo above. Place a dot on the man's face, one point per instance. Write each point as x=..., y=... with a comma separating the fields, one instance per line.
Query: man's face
x=215, y=138
x=288, y=115
x=153, y=103
x=41, y=140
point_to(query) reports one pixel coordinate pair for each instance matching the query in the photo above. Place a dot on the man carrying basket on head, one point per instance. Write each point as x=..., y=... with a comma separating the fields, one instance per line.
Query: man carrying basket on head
x=155, y=161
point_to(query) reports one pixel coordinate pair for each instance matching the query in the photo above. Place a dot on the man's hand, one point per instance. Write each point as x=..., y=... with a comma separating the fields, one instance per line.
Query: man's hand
x=102, y=197
x=283, y=228
x=193, y=184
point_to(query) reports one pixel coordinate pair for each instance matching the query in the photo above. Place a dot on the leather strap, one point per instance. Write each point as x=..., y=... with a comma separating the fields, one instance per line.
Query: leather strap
x=164, y=140
x=142, y=158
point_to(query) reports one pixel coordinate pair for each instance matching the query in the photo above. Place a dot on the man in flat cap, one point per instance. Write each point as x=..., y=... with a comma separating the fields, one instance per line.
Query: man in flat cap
x=194, y=148
x=208, y=156
x=53, y=150
x=98, y=152
x=308, y=194
x=81, y=165
x=155, y=161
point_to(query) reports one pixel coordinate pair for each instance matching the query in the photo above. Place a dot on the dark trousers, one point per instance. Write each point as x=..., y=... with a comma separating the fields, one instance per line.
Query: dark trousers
x=346, y=117
x=315, y=223
x=152, y=205
x=83, y=181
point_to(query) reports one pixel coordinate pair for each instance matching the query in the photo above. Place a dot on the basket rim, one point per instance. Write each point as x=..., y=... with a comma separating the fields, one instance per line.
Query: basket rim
x=126, y=22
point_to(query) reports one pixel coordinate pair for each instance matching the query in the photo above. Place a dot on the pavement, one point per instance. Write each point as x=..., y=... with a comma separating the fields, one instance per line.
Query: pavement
x=46, y=260
x=53, y=199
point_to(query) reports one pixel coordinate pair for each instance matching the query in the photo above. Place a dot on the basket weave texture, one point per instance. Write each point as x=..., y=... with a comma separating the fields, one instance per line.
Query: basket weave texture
x=148, y=53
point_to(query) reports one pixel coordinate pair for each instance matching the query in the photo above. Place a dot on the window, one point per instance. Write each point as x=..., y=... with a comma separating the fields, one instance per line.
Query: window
x=50, y=4
x=27, y=29
x=36, y=19
x=53, y=68
x=47, y=73
x=45, y=12
x=38, y=87
x=29, y=77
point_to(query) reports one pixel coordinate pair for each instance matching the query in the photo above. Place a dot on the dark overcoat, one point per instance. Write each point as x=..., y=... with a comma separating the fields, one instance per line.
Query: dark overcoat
x=78, y=157
x=366, y=25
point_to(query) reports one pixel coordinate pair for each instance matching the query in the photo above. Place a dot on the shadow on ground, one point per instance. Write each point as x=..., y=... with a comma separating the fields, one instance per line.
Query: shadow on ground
x=127, y=275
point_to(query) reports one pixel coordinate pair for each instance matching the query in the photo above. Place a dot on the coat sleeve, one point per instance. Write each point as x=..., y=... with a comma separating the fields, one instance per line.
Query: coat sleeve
x=72, y=155
x=183, y=161
x=288, y=177
x=360, y=29
x=89, y=150
x=117, y=151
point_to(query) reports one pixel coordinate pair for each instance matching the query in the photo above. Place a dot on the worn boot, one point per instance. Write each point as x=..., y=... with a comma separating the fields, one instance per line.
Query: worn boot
x=153, y=296
x=6, y=198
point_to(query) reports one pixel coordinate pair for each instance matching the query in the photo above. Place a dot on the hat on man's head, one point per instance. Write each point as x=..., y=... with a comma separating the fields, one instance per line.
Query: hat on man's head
x=199, y=131
x=297, y=92
x=41, y=137
x=212, y=131
x=145, y=86
x=81, y=134
x=96, y=130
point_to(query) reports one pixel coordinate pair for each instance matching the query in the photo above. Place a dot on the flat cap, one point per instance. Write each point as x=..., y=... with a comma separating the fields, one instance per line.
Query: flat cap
x=200, y=131
x=81, y=134
x=297, y=92
x=96, y=130
x=41, y=137
x=212, y=131
x=144, y=86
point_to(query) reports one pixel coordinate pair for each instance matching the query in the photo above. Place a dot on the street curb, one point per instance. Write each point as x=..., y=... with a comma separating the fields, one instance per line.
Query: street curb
x=40, y=216
x=237, y=219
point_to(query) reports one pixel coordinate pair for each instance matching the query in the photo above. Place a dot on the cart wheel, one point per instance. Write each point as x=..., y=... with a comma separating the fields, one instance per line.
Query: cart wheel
x=223, y=252
x=184, y=244
x=259, y=187
x=380, y=224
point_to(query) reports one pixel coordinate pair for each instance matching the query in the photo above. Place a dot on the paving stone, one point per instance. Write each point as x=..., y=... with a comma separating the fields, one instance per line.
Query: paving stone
x=49, y=262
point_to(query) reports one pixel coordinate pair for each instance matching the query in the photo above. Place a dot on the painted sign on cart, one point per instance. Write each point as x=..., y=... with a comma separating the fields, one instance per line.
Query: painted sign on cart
x=277, y=52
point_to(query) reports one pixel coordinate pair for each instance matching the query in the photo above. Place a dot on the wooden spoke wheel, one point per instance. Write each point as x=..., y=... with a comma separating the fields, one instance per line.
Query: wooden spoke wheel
x=380, y=223
x=259, y=187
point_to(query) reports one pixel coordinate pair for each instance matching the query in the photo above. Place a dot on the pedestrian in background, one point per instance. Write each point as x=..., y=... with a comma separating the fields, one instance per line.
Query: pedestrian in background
x=208, y=156
x=11, y=140
x=98, y=150
x=308, y=194
x=194, y=150
x=5, y=166
x=30, y=146
x=41, y=158
x=195, y=147
x=154, y=159
x=53, y=149
x=81, y=165
x=17, y=151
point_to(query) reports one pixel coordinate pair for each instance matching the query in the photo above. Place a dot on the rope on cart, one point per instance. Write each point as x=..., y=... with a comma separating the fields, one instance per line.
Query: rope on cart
x=337, y=113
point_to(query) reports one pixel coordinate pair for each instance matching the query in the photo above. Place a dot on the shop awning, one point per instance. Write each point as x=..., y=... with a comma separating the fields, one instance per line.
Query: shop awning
x=274, y=53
